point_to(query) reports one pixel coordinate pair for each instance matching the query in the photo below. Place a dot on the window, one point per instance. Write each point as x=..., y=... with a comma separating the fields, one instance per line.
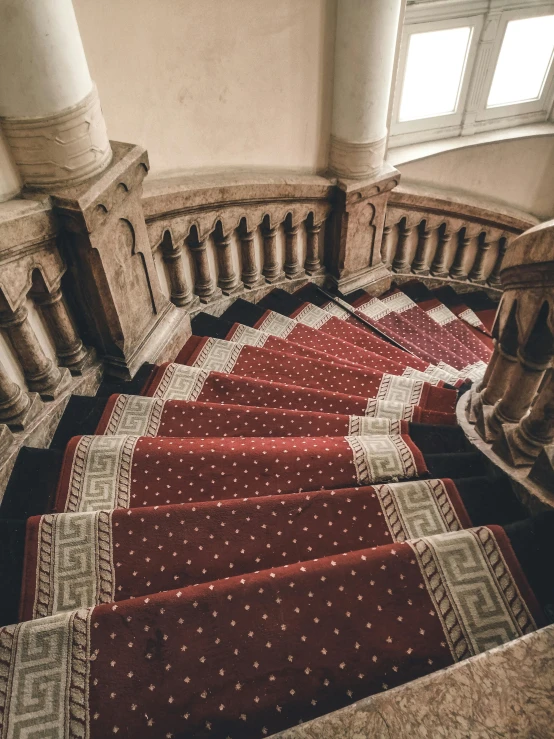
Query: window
x=524, y=61
x=429, y=88
x=460, y=74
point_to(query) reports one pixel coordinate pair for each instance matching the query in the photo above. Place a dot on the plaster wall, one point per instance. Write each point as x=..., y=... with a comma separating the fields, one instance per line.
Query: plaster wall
x=215, y=84
x=518, y=173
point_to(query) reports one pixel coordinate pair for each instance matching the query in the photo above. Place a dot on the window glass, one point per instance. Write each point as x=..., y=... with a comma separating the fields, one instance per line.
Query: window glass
x=524, y=61
x=435, y=66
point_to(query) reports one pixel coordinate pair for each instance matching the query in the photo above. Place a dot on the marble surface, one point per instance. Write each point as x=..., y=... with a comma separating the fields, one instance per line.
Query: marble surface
x=506, y=692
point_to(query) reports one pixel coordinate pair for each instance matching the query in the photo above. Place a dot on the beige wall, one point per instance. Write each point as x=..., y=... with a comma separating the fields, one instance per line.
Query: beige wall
x=519, y=173
x=214, y=83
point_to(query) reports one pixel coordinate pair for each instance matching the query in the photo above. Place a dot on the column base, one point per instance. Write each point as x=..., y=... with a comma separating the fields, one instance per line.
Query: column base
x=542, y=471
x=483, y=426
x=510, y=447
x=26, y=417
x=272, y=279
x=374, y=280
x=55, y=388
x=162, y=343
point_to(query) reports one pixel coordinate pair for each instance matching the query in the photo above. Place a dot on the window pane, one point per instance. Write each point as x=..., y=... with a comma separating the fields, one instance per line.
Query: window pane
x=435, y=66
x=523, y=62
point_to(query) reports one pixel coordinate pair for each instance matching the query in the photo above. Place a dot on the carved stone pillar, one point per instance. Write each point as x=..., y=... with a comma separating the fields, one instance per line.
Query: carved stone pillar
x=535, y=431
x=457, y=270
x=525, y=380
x=172, y=255
x=387, y=230
x=438, y=267
x=420, y=264
x=69, y=348
x=250, y=274
x=204, y=284
x=272, y=269
x=313, y=265
x=494, y=277
x=477, y=273
x=401, y=261
x=353, y=251
x=112, y=268
x=228, y=280
x=292, y=262
x=500, y=377
x=17, y=407
x=41, y=374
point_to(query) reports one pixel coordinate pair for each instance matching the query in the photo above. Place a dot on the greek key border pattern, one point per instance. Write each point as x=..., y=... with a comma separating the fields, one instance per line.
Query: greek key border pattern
x=367, y=426
x=78, y=474
x=381, y=458
x=152, y=413
x=278, y=325
x=409, y=391
x=389, y=409
x=445, y=594
x=164, y=388
x=436, y=501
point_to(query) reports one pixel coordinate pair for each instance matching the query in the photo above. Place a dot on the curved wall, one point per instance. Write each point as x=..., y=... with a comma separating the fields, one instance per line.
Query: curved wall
x=215, y=83
x=516, y=172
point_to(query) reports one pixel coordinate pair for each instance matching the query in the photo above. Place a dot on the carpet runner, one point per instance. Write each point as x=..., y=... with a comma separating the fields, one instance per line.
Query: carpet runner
x=173, y=381
x=219, y=355
x=244, y=545
x=249, y=655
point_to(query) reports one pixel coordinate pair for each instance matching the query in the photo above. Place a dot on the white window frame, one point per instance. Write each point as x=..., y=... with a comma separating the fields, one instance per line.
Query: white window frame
x=489, y=21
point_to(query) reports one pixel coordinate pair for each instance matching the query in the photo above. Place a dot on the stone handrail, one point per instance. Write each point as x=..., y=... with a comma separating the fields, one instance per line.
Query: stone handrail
x=436, y=235
x=219, y=236
x=513, y=409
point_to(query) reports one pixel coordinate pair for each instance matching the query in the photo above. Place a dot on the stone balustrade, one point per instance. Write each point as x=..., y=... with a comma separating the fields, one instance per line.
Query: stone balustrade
x=435, y=237
x=38, y=331
x=225, y=237
x=513, y=408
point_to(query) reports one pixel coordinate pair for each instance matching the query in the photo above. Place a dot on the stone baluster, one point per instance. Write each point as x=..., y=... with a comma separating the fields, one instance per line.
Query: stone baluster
x=535, y=430
x=250, y=274
x=292, y=263
x=387, y=230
x=70, y=350
x=494, y=277
x=172, y=255
x=17, y=407
x=204, y=285
x=41, y=374
x=457, y=270
x=272, y=269
x=419, y=265
x=227, y=280
x=438, y=266
x=401, y=262
x=520, y=392
x=496, y=381
x=477, y=273
x=313, y=265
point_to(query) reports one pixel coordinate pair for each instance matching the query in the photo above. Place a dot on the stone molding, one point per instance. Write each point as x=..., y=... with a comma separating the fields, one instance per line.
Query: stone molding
x=63, y=148
x=354, y=160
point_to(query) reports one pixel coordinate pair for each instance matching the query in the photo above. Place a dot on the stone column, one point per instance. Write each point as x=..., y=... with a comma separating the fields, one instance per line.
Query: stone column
x=364, y=60
x=365, y=45
x=494, y=277
x=17, y=407
x=438, y=267
x=292, y=263
x=228, y=280
x=419, y=265
x=204, y=285
x=49, y=106
x=520, y=391
x=477, y=273
x=172, y=255
x=41, y=374
x=498, y=378
x=10, y=183
x=401, y=261
x=312, y=264
x=457, y=270
x=535, y=431
x=272, y=270
x=70, y=350
x=250, y=274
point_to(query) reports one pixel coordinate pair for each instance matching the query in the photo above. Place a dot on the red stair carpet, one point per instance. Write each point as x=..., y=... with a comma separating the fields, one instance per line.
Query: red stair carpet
x=260, y=536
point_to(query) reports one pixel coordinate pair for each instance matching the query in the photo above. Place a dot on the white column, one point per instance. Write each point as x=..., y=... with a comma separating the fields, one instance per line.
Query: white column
x=10, y=183
x=364, y=60
x=49, y=107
